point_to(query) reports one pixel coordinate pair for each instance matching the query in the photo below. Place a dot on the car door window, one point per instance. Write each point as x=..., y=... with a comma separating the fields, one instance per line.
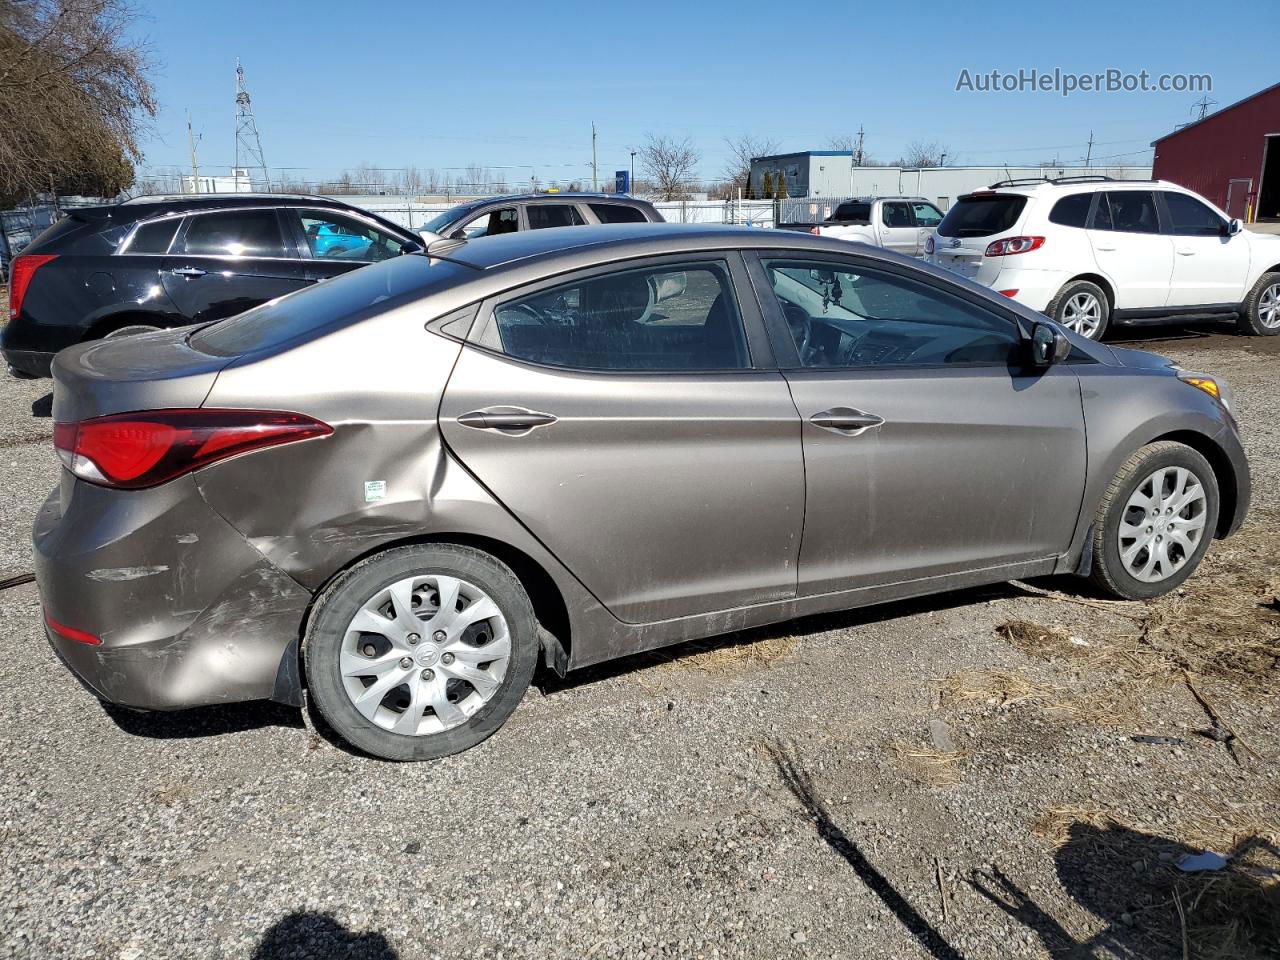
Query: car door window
x=154, y=237
x=542, y=215
x=1191, y=218
x=617, y=213
x=896, y=215
x=851, y=316
x=1127, y=211
x=660, y=318
x=233, y=233
x=927, y=215
x=337, y=236
x=492, y=223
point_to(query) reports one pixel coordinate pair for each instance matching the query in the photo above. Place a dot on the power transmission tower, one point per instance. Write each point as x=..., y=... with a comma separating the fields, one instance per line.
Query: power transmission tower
x=248, y=143
x=1204, y=103
x=195, y=169
x=595, y=180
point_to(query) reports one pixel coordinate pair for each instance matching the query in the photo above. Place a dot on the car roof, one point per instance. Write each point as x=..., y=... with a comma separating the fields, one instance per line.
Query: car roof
x=138, y=208
x=619, y=242
x=1072, y=184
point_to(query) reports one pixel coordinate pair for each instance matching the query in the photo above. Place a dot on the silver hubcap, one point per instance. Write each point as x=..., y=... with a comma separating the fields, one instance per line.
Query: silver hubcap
x=1269, y=307
x=1162, y=524
x=424, y=654
x=1083, y=314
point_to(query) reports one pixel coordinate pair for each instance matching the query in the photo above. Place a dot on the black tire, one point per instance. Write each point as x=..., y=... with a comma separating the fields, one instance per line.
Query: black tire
x=1060, y=306
x=1251, y=320
x=344, y=597
x=1109, y=571
x=130, y=330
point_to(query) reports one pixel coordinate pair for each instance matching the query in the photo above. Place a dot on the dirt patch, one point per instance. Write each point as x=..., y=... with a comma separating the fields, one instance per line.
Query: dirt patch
x=928, y=766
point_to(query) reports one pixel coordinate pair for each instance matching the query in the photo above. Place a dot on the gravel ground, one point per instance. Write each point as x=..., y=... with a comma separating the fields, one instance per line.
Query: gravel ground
x=894, y=782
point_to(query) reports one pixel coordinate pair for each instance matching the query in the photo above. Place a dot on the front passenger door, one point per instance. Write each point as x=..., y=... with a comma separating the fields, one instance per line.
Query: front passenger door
x=927, y=218
x=897, y=227
x=929, y=449
x=337, y=242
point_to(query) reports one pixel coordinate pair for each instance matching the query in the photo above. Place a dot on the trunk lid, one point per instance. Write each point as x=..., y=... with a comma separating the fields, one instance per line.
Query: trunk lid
x=144, y=372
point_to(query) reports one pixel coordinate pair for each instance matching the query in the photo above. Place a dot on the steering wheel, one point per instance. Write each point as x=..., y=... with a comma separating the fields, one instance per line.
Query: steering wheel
x=527, y=314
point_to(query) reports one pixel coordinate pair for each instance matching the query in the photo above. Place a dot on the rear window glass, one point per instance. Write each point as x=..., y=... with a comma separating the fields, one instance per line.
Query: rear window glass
x=154, y=237
x=327, y=306
x=857, y=212
x=543, y=215
x=617, y=213
x=1072, y=211
x=981, y=216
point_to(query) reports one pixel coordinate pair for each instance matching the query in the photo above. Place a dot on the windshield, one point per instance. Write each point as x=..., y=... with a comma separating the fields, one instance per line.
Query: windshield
x=441, y=222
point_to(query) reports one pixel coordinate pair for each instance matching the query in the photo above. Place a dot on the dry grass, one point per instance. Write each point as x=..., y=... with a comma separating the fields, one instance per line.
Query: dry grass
x=931, y=767
x=1039, y=640
x=998, y=687
x=725, y=657
x=1055, y=823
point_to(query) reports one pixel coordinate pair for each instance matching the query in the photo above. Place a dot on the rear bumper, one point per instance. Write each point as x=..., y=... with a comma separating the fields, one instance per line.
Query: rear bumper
x=29, y=364
x=1036, y=288
x=188, y=613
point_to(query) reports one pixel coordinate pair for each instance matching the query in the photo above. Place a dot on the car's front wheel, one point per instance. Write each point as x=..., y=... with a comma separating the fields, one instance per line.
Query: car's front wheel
x=1260, y=313
x=1083, y=307
x=421, y=651
x=1155, y=521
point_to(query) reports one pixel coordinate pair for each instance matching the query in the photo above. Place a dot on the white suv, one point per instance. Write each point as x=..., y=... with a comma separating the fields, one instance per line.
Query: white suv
x=1089, y=251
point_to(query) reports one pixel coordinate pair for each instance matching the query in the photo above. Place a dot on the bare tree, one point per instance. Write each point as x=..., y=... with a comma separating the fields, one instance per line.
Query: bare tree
x=920, y=153
x=742, y=150
x=74, y=97
x=850, y=143
x=670, y=164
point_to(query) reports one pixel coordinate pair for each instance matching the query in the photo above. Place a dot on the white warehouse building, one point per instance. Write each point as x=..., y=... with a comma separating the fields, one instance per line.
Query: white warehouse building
x=817, y=174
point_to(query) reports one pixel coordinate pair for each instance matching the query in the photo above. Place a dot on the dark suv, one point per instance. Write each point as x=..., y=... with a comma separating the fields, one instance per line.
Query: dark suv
x=156, y=262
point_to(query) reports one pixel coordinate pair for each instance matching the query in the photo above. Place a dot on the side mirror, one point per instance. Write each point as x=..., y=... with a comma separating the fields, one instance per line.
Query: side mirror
x=1048, y=346
x=412, y=247
x=1233, y=227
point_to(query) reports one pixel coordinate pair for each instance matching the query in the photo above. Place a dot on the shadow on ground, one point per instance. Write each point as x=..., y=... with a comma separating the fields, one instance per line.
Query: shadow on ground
x=43, y=407
x=197, y=722
x=305, y=934
x=1129, y=880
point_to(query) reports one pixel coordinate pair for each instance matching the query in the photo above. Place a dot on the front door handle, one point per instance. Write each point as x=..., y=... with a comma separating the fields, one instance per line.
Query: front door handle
x=513, y=420
x=188, y=272
x=846, y=421
x=1186, y=253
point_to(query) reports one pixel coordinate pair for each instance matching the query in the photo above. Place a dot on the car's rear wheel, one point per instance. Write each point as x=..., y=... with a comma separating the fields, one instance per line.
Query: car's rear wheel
x=421, y=651
x=1155, y=521
x=1083, y=307
x=1261, y=309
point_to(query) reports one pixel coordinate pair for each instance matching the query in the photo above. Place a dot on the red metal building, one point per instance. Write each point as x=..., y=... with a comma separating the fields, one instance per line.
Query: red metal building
x=1231, y=157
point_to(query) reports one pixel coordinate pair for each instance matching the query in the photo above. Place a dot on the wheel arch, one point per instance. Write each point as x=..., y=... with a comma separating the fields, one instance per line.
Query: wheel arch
x=1101, y=282
x=1223, y=472
x=549, y=607
x=115, y=321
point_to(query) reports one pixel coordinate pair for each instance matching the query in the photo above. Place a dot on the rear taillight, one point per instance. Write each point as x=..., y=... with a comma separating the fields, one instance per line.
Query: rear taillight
x=20, y=274
x=928, y=244
x=1011, y=245
x=135, y=450
x=816, y=231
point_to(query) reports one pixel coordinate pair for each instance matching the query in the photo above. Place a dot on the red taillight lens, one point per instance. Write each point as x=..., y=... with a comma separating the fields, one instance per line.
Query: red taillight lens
x=928, y=244
x=71, y=633
x=1008, y=293
x=20, y=275
x=816, y=231
x=135, y=450
x=1011, y=245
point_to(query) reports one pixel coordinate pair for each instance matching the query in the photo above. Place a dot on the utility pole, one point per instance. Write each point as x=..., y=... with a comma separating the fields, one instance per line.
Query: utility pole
x=632, y=184
x=195, y=170
x=860, y=137
x=1089, y=155
x=595, y=180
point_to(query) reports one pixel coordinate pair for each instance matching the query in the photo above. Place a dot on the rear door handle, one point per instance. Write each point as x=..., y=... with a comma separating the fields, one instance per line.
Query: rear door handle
x=846, y=421
x=1186, y=253
x=1106, y=249
x=188, y=272
x=513, y=420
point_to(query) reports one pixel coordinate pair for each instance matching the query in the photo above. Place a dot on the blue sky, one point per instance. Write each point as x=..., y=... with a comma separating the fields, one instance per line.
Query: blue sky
x=517, y=85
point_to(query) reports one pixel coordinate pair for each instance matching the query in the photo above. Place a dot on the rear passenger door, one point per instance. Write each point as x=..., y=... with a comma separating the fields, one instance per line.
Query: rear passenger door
x=626, y=416
x=897, y=227
x=1130, y=249
x=227, y=261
